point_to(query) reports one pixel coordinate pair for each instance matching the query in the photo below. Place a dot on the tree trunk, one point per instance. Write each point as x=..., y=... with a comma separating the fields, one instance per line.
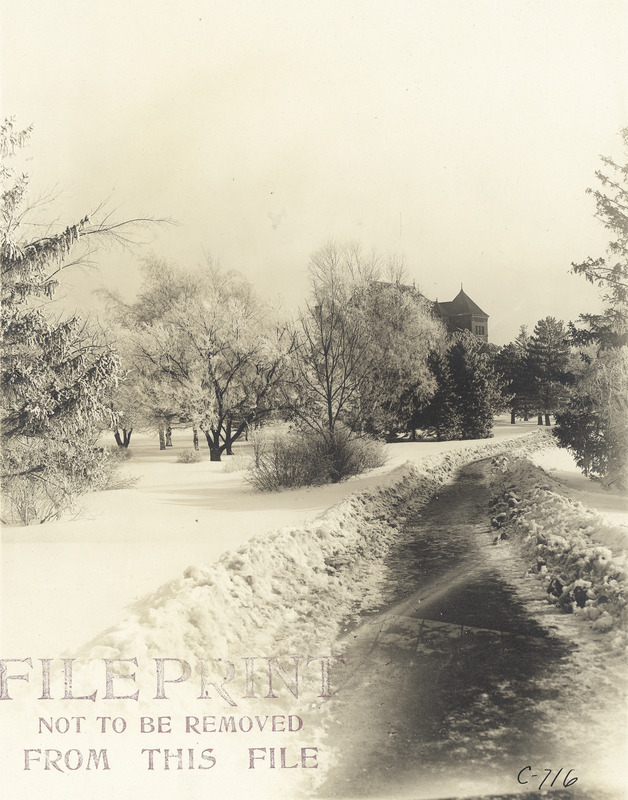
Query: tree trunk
x=231, y=437
x=126, y=436
x=513, y=418
x=539, y=420
x=195, y=439
x=547, y=420
x=168, y=436
x=215, y=450
x=162, y=438
x=116, y=434
x=228, y=439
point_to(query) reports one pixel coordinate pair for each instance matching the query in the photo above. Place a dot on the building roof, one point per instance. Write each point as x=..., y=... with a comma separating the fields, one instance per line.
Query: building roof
x=461, y=304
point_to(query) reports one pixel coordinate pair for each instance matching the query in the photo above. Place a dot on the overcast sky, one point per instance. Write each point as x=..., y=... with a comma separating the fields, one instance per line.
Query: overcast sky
x=460, y=134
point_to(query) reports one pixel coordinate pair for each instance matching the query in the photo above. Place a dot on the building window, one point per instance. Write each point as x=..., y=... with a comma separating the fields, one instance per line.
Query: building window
x=479, y=330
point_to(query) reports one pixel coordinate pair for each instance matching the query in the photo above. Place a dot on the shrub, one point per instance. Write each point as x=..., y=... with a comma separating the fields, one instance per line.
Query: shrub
x=311, y=458
x=28, y=502
x=121, y=482
x=284, y=461
x=189, y=457
x=236, y=463
x=116, y=480
x=44, y=493
x=119, y=454
x=348, y=454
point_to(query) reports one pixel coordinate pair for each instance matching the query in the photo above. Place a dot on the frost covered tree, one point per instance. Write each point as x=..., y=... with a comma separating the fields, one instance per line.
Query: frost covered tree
x=403, y=332
x=56, y=372
x=206, y=351
x=124, y=412
x=154, y=391
x=594, y=424
x=363, y=344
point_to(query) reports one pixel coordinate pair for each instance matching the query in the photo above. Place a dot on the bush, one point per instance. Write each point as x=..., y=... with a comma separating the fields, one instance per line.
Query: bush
x=311, y=458
x=28, y=502
x=115, y=481
x=189, y=457
x=348, y=454
x=236, y=463
x=59, y=473
x=288, y=461
x=119, y=454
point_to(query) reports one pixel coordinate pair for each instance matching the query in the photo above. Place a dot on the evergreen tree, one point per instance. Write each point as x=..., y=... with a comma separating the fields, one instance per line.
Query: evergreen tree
x=548, y=354
x=511, y=363
x=611, y=273
x=469, y=392
x=477, y=387
x=56, y=373
x=594, y=425
x=441, y=416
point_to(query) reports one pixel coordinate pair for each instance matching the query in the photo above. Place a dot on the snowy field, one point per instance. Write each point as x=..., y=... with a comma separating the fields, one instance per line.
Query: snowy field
x=123, y=544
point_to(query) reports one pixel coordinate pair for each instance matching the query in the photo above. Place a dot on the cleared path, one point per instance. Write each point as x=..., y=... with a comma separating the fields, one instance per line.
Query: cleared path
x=443, y=688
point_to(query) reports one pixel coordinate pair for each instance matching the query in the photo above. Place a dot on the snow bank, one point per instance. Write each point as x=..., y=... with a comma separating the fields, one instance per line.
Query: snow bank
x=562, y=539
x=292, y=584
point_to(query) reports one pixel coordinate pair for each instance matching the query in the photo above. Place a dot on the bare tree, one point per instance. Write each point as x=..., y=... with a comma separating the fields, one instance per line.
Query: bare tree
x=331, y=337
x=362, y=344
x=329, y=369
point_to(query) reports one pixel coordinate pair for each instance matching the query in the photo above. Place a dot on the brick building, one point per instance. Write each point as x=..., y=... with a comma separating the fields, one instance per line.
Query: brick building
x=462, y=314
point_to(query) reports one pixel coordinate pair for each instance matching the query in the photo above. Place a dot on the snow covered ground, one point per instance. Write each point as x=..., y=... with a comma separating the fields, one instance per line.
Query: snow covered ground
x=205, y=567
x=282, y=592
x=613, y=504
x=123, y=544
